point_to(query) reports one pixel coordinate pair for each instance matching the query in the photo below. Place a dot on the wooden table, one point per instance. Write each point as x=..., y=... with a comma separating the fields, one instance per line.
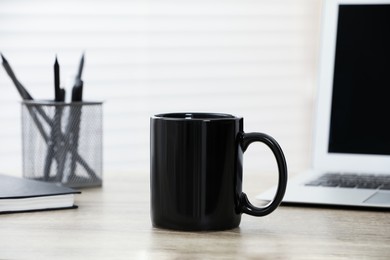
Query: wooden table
x=113, y=223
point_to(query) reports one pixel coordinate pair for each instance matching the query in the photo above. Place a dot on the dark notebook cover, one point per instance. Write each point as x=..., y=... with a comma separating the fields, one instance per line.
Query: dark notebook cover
x=21, y=195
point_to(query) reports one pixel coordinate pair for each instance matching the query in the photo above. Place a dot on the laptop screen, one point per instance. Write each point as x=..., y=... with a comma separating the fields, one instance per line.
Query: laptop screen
x=360, y=108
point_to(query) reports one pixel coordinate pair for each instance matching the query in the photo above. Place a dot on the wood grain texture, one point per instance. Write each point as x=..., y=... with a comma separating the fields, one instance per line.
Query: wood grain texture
x=113, y=223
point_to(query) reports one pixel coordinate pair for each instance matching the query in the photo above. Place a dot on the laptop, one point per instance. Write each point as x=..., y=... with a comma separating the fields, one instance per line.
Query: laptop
x=351, y=153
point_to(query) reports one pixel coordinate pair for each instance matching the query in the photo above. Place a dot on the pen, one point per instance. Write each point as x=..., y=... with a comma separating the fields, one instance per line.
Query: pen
x=59, y=93
x=73, y=127
x=75, y=118
x=59, y=151
x=55, y=149
x=22, y=91
x=26, y=96
x=77, y=91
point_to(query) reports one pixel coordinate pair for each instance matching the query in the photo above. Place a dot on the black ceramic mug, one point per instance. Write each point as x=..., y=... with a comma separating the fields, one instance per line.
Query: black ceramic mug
x=196, y=171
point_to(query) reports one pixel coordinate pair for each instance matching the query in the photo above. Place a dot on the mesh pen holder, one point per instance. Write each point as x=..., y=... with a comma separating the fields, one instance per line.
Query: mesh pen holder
x=62, y=142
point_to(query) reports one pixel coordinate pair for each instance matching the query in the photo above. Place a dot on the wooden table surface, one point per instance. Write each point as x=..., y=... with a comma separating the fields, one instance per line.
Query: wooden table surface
x=113, y=222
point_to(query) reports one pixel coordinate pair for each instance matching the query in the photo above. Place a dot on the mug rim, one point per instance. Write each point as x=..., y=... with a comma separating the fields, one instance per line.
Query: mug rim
x=200, y=116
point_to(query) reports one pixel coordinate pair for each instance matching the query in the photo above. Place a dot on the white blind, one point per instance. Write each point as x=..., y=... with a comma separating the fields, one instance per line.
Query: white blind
x=253, y=58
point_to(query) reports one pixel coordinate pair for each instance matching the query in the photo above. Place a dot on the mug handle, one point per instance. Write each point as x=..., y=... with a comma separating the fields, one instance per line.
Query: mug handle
x=246, y=206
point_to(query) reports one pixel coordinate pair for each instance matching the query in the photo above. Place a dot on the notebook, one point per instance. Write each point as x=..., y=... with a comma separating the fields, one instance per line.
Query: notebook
x=22, y=195
x=351, y=153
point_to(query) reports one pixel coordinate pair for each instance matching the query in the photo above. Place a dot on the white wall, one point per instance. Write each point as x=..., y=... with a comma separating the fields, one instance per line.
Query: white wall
x=254, y=58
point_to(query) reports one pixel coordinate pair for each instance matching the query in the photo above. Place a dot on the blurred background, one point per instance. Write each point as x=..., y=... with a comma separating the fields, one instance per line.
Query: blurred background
x=253, y=58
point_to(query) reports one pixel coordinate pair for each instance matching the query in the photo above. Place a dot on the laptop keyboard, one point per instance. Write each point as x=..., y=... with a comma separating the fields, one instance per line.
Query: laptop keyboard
x=358, y=181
